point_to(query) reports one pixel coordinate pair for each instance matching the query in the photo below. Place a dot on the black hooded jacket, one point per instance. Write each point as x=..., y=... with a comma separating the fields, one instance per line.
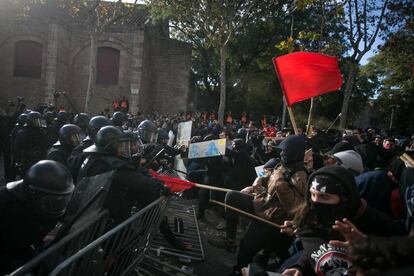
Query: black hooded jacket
x=319, y=256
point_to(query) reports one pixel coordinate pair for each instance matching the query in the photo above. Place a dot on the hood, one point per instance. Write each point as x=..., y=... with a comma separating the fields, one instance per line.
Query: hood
x=293, y=148
x=351, y=160
x=347, y=182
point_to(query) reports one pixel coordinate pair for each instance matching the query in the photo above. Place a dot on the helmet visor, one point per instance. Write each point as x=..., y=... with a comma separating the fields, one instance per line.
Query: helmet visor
x=50, y=205
x=75, y=139
x=149, y=136
x=36, y=122
x=124, y=149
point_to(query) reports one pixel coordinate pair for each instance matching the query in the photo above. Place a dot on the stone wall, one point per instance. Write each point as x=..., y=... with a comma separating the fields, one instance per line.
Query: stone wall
x=154, y=71
x=32, y=89
x=170, y=75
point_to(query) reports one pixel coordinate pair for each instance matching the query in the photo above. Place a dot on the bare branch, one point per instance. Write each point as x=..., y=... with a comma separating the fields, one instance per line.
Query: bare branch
x=365, y=24
x=374, y=36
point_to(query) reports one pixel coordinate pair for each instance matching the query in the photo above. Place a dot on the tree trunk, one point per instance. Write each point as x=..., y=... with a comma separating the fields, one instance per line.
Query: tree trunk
x=347, y=93
x=222, y=105
x=92, y=70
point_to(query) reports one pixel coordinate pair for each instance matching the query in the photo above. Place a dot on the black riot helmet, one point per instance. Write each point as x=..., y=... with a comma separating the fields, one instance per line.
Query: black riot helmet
x=148, y=132
x=81, y=120
x=22, y=119
x=33, y=119
x=62, y=116
x=136, y=144
x=48, y=116
x=50, y=187
x=119, y=118
x=96, y=123
x=111, y=139
x=70, y=135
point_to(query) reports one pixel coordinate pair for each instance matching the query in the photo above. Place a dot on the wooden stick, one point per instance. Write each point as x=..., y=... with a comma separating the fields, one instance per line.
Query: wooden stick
x=292, y=119
x=208, y=187
x=406, y=158
x=246, y=214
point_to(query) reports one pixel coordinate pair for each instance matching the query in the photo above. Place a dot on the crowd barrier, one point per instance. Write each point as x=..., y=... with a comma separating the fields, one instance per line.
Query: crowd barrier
x=47, y=260
x=117, y=252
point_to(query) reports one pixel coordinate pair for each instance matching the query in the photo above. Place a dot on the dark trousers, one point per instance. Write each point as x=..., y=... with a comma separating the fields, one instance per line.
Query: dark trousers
x=258, y=236
x=262, y=236
x=240, y=201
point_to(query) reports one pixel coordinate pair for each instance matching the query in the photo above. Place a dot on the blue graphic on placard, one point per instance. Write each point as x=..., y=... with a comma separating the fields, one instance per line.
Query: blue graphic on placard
x=212, y=150
x=194, y=151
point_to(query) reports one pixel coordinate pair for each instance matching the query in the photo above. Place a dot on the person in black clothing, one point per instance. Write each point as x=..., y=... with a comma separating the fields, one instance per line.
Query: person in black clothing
x=69, y=138
x=51, y=133
x=242, y=172
x=77, y=156
x=82, y=121
x=30, y=143
x=129, y=189
x=118, y=119
x=332, y=196
x=30, y=209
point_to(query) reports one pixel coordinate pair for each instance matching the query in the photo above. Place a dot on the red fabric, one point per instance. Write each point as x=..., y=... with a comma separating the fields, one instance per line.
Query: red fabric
x=175, y=184
x=305, y=75
x=124, y=104
x=115, y=104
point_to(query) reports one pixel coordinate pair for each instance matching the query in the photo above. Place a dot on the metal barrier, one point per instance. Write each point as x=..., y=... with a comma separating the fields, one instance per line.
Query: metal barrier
x=189, y=235
x=82, y=235
x=119, y=250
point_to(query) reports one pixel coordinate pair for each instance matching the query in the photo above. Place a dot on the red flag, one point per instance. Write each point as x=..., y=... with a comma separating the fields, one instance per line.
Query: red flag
x=305, y=75
x=175, y=184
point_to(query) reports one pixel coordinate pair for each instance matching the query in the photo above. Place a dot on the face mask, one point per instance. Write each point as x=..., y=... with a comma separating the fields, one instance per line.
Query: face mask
x=326, y=214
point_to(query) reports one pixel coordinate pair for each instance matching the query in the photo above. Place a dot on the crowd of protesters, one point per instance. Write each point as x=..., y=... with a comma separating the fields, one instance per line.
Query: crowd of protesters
x=343, y=200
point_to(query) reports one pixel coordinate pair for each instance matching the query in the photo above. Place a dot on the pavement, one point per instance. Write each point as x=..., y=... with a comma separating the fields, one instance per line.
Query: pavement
x=217, y=261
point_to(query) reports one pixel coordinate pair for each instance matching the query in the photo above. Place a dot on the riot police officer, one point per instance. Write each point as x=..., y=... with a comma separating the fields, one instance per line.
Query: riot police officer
x=128, y=189
x=148, y=134
x=77, y=156
x=51, y=134
x=118, y=119
x=30, y=143
x=82, y=121
x=69, y=138
x=30, y=209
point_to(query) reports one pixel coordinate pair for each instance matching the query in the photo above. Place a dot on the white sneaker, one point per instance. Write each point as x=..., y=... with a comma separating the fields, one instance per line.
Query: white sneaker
x=221, y=225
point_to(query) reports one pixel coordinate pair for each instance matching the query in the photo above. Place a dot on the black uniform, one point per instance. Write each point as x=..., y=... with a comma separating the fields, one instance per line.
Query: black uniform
x=29, y=147
x=59, y=153
x=20, y=226
x=129, y=188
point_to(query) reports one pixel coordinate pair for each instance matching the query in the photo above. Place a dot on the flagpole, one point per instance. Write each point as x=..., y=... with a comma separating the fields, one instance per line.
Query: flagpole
x=208, y=187
x=292, y=118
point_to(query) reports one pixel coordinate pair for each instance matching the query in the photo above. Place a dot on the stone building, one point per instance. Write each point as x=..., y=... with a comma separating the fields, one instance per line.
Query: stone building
x=45, y=54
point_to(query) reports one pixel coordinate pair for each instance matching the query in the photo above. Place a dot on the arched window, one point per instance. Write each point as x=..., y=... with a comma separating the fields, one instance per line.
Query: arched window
x=28, y=59
x=108, y=66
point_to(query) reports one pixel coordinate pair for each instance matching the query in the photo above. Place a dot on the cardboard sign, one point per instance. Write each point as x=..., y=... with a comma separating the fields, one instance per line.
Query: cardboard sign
x=184, y=133
x=207, y=149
